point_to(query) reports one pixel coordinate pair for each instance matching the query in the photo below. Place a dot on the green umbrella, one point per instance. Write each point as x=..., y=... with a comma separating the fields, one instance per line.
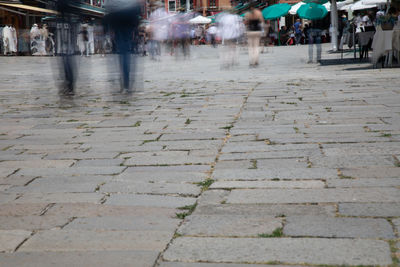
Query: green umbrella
x=320, y=2
x=312, y=11
x=275, y=11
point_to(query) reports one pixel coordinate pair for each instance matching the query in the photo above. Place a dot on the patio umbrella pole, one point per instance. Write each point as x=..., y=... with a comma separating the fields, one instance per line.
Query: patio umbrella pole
x=279, y=33
x=334, y=23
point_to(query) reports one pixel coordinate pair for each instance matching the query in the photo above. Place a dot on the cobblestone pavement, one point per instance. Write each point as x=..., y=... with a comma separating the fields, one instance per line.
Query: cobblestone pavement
x=285, y=164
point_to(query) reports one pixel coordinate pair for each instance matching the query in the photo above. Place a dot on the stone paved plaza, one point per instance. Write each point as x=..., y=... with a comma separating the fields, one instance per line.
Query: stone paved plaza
x=287, y=164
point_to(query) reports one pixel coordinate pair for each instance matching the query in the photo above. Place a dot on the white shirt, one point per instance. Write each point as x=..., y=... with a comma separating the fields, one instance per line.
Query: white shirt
x=229, y=26
x=212, y=30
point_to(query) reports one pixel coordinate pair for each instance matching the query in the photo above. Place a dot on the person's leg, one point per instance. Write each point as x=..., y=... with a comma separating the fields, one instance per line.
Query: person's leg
x=87, y=45
x=251, y=46
x=319, y=48
x=310, y=46
x=257, y=47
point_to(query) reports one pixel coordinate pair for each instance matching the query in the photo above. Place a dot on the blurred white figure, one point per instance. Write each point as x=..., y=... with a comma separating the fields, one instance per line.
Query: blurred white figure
x=37, y=43
x=229, y=31
x=212, y=32
x=83, y=40
x=159, y=26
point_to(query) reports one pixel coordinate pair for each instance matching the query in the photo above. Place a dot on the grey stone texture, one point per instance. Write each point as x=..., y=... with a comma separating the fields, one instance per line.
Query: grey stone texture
x=268, y=184
x=320, y=226
x=189, y=264
x=130, y=223
x=149, y=200
x=79, y=258
x=285, y=250
x=370, y=209
x=363, y=195
x=151, y=188
x=32, y=222
x=229, y=225
x=91, y=240
x=11, y=239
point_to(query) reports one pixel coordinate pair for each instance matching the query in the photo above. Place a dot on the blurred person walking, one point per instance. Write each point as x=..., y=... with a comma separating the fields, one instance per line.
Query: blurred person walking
x=229, y=29
x=254, y=22
x=297, y=28
x=181, y=33
x=159, y=26
x=212, y=31
x=314, y=37
x=122, y=19
x=83, y=40
x=66, y=46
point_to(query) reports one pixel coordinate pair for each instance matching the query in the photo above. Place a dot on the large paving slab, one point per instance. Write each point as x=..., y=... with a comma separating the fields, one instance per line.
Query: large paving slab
x=284, y=250
x=150, y=188
x=191, y=264
x=268, y=184
x=32, y=222
x=375, y=194
x=87, y=258
x=91, y=240
x=320, y=226
x=149, y=200
x=142, y=222
x=229, y=225
x=370, y=209
x=94, y=210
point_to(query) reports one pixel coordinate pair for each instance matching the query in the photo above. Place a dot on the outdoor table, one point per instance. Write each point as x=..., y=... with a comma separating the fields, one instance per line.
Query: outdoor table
x=364, y=39
x=384, y=43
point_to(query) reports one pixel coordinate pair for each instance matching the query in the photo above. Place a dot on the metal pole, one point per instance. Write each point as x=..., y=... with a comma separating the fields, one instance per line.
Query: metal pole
x=334, y=24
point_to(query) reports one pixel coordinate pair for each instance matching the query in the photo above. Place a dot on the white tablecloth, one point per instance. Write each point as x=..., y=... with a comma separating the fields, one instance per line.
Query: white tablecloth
x=385, y=41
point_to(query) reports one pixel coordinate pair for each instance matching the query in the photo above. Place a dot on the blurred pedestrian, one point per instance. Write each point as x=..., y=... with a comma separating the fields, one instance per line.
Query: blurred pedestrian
x=297, y=28
x=181, y=33
x=83, y=40
x=159, y=25
x=254, y=22
x=212, y=32
x=229, y=29
x=66, y=46
x=123, y=19
x=314, y=37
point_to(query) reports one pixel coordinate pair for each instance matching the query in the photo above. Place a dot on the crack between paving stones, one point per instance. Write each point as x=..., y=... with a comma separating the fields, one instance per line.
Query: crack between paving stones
x=24, y=241
x=210, y=172
x=44, y=211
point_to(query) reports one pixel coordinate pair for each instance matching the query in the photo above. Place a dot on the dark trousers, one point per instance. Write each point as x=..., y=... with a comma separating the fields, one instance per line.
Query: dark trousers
x=124, y=23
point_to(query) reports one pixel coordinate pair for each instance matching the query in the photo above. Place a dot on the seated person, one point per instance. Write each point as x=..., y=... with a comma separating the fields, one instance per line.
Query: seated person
x=292, y=39
x=283, y=35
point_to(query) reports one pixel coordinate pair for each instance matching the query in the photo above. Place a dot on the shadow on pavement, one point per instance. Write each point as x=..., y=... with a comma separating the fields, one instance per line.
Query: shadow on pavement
x=344, y=61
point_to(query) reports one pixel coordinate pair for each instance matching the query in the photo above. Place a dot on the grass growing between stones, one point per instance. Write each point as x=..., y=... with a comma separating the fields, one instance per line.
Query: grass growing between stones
x=395, y=254
x=205, y=184
x=137, y=124
x=253, y=164
x=345, y=177
x=278, y=232
x=188, y=210
x=343, y=265
x=228, y=127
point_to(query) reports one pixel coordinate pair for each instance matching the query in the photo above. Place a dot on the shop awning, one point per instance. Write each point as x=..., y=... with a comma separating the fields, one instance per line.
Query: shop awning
x=89, y=9
x=32, y=8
